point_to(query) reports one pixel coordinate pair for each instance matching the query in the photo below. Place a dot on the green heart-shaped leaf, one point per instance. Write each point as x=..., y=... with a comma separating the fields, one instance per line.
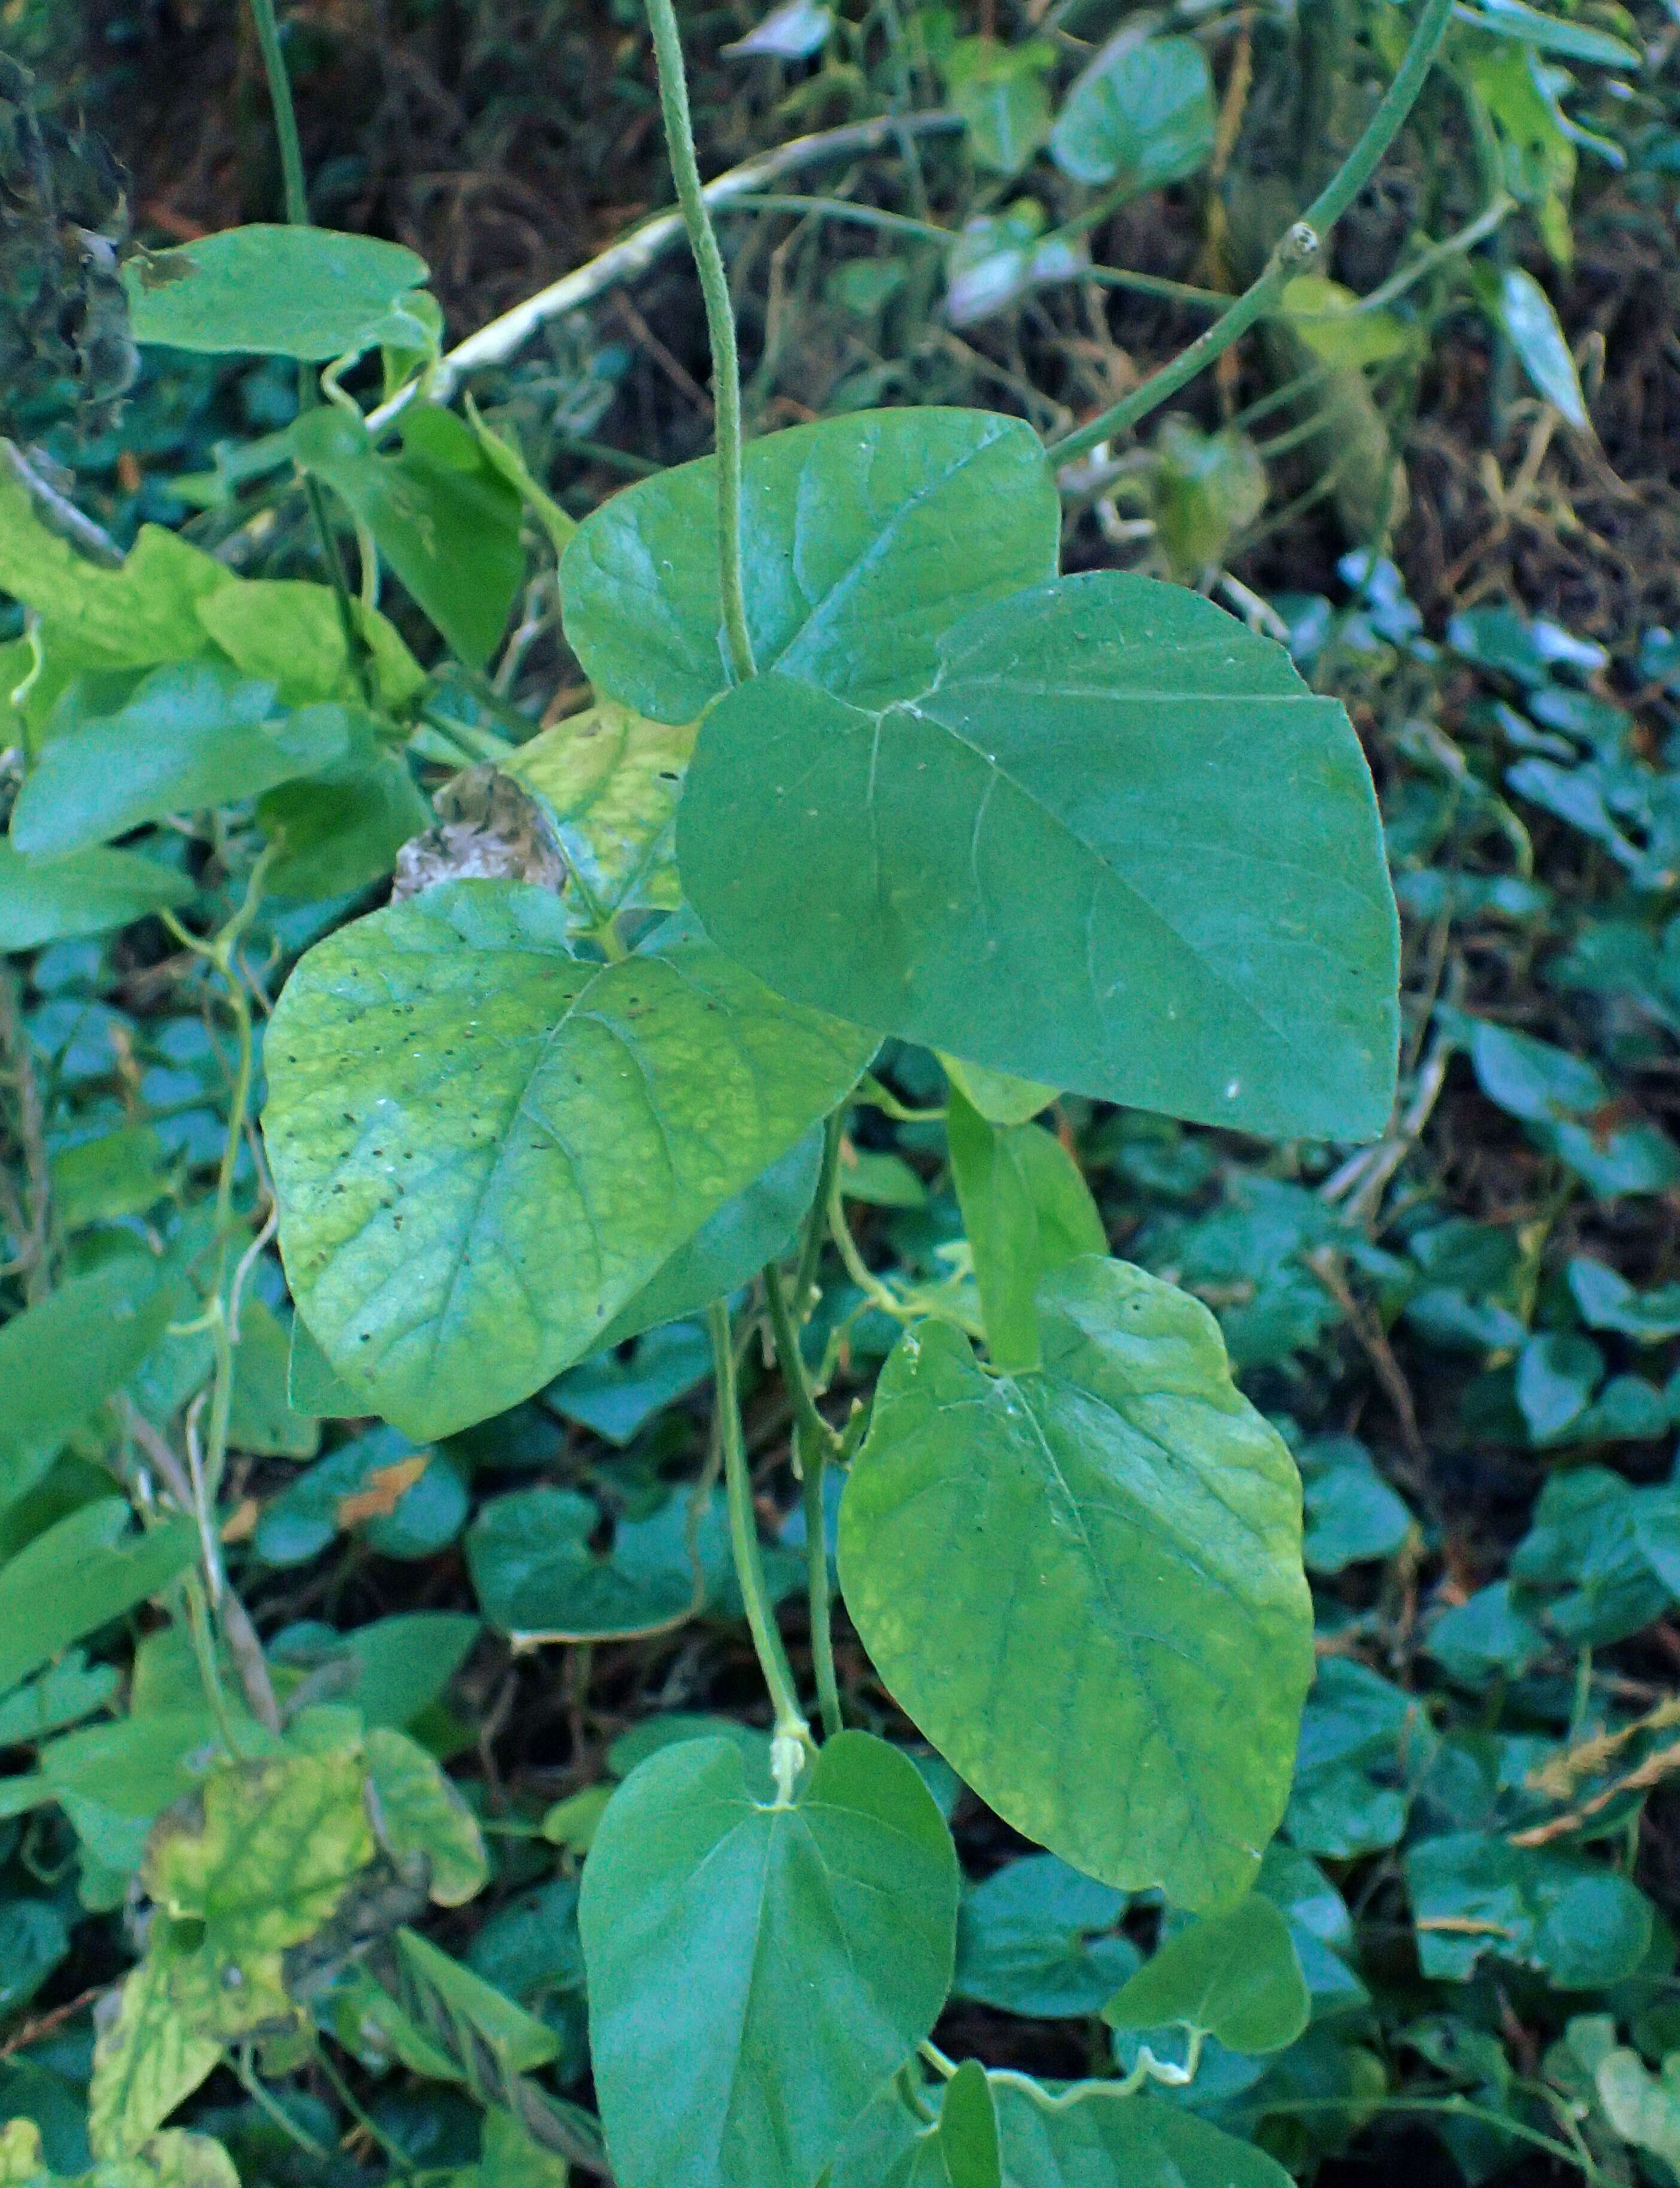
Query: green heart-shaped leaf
x=1117, y=845
x=756, y=1974
x=1233, y=1977
x=304, y=292
x=1084, y=1583
x=484, y=1147
x=864, y=537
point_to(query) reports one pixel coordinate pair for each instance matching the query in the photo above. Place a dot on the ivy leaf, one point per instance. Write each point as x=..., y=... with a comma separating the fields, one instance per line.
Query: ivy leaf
x=1571, y=1917
x=1117, y=844
x=757, y=1973
x=192, y=736
x=417, y=1811
x=1234, y=1978
x=58, y=899
x=1027, y=1211
x=864, y=537
x=146, y=2060
x=1035, y=1938
x=1119, y=1529
x=573, y=1122
x=1641, y=2107
x=1139, y=117
x=277, y=1847
x=304, y=292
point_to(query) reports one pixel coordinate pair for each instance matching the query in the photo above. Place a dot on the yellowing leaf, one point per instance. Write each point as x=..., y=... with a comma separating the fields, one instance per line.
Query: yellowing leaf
x=277, y=1847
x=146, y=2061
x=612, y=779
x=418, y=1812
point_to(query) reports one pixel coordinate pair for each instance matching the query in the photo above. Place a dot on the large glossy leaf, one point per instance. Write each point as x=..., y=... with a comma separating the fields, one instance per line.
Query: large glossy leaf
x=1084, y=1583
x=1086, y=2137
x=865, y=536
x=304, y=292
x=191, y=737
x=485, y=1146
x=757, y=1974
x=1140, y=116
x=1027, y=1211
x=56, y=900
x=1118, y=845
x=443, y=516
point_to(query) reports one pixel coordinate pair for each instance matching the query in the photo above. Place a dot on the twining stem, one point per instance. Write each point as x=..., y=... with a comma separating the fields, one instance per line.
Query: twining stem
x=792, y=1733
x=1299, y=247
x=720, y=319
x=817, y=1223
x=815, y=1443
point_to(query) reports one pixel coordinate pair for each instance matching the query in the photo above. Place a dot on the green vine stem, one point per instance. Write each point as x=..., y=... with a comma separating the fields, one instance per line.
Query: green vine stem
x=1299, y=248
x=817, y=1223
x=815, y=1442
x=791, y=1740
x=720, y=319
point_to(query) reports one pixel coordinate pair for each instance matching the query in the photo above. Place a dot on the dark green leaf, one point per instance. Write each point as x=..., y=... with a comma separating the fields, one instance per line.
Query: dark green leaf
x=56, y=900
x=1232, y=1976
x=865, y=537
x=1574, y=1920
x=1050, y=886
x=1037, y=1938
x=1085, y=2137
x=1140, y=116
x=81, y=1573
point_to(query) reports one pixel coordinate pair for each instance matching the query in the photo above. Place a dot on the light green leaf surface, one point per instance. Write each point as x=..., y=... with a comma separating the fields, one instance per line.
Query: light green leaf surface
x=1027, y=1211
x=1089, y=2138
x=864, y=537
x=1234, y=1978
x=611, y=780
x=303, y=292
x=1120, y=1529
x=1000, y=1099
x=573, y=1124
x=417, y=1812
x=191, y=737
x=58, y=899
x=757, y=1974
x=1119, y=845
x=1525, y=312
x=512, y=2034
x=146, y=2060
x=1642, y=2107
x=336, y=836
x=1140, y=116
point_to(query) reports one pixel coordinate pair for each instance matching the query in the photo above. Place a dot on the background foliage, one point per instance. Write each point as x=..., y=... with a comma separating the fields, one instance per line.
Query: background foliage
x=358, y=1955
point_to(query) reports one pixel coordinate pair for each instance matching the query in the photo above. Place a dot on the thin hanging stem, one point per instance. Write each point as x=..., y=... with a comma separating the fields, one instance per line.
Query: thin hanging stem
x=720, y=319
x=792, y=1733
x=817, y=1223
x=1299, y=248
x=285, y=114
x=815, y=1443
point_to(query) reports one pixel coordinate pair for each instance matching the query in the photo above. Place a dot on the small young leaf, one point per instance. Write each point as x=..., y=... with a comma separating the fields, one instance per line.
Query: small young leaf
x=1120, y=1529
x=757, y=1973
x=1027, y=1211
x=1140, y=116
x=1107, y=847
x=865, y=536
x=457, y=1037
x=1525, y=312
x=1000, y=92
x=303, y=292
x=1000, y=1099
x=1232, y=1976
